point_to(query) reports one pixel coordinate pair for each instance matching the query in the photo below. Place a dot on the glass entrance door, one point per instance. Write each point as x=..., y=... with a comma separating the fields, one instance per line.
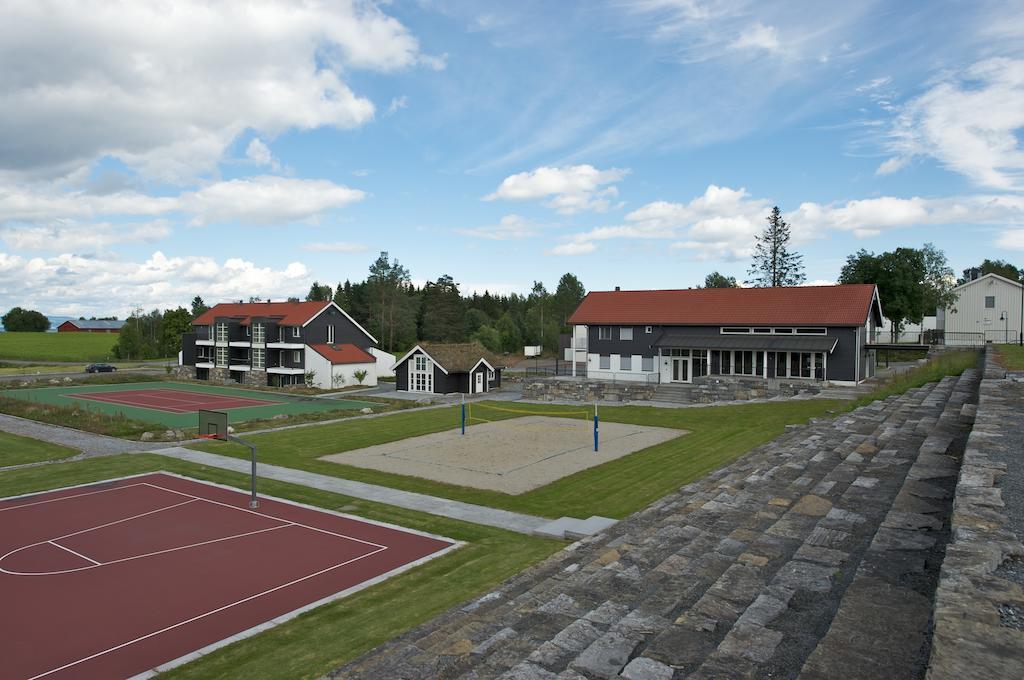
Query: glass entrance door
x=680, y=369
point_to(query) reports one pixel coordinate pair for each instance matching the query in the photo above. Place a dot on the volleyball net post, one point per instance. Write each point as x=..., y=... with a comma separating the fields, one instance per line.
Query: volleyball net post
x=463, y=415
x=595, y=428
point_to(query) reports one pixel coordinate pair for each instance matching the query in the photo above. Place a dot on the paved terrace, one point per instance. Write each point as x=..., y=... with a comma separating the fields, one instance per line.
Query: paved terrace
x=814, y=556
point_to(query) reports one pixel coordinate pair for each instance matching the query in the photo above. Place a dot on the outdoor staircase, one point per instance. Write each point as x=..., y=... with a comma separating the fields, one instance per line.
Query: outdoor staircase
x=814, y=556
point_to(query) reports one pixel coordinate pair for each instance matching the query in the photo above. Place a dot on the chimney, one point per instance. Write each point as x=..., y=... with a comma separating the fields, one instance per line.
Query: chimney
x=617, y=289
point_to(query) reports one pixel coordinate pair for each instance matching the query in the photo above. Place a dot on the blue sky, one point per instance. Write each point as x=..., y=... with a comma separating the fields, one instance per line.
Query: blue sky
x=250, y=148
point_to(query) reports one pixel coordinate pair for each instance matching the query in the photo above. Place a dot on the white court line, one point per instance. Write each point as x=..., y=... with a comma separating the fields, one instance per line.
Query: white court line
x=263, y=514
x=78, y=554
x=134, y=557
x=204, y=615
x=65, y=498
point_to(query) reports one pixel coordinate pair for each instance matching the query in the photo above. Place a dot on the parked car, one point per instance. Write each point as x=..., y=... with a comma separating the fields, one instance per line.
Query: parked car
x=100, y=368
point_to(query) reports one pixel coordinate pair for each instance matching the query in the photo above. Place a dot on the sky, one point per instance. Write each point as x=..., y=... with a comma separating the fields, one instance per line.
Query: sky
x=154, y=151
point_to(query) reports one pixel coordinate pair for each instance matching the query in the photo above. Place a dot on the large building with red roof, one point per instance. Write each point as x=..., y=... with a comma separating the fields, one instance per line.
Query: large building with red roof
x=283, y=343
x=814, y=333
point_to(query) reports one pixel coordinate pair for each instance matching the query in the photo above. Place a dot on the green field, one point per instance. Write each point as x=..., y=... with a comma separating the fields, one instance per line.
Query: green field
x=15, y=450
x=1011, y=357
x=84, y=347
x=312, y=644
x=277, y=403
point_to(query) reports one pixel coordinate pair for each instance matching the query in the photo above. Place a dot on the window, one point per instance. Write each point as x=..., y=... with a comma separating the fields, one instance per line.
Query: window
x=743, y=363
x=421, y=375
x=810, y=331
x=726, y=367
x=222, y=356
x=780, y=364
x=626, y=363
x=762, y=331
x=222, y=332
x=990, y=302
x=782, y=331
x=735, y=329
x=248, y=331
x=626, y=333
x=297, y=356
x=259, y=333
x=330, y=334
x=420, y=362
x=648, y=329
x=490, y=374
x=647, y=364
x=259, y=358
x=295, y=331
x=700, y=362
x=605, y=362
x=604, y=332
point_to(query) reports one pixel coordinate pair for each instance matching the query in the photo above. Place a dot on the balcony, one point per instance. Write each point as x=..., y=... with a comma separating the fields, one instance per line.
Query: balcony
x=285, y=370
x=204, y=363
x=204, y=342
x=239, y=343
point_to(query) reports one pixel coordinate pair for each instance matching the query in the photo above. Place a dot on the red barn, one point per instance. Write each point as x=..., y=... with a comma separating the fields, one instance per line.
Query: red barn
x=90, y=326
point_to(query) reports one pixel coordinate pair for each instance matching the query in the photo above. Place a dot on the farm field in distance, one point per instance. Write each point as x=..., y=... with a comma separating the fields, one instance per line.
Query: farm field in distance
x=84, y=347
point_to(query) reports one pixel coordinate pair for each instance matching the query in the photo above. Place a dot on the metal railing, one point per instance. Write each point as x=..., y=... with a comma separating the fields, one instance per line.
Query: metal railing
x=939, y=337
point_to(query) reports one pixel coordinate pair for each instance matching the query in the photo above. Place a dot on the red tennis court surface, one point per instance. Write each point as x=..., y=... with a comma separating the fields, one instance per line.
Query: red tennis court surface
x=172, y=401
x=115, y=579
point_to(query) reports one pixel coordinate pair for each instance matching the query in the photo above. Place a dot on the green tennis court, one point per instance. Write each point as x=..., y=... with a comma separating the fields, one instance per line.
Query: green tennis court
x=175, y=404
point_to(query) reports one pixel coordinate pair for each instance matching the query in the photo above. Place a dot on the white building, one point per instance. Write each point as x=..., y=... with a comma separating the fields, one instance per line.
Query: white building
x=988, y=307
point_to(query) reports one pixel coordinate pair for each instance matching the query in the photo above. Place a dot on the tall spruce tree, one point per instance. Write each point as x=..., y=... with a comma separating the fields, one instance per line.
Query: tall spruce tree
x=774, y=265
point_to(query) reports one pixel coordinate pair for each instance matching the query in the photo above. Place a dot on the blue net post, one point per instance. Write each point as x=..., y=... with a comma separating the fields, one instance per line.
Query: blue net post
x=463, y=417
x=595, y=427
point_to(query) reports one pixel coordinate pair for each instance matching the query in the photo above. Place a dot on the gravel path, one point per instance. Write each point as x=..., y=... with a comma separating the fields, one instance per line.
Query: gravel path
x=88, y=443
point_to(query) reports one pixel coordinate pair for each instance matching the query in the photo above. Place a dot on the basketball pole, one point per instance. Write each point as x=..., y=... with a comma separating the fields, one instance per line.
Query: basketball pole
x=253, y=501
x=595, y=427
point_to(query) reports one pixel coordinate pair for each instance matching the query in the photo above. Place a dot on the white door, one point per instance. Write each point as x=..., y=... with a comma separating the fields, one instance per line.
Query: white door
x=479, y=382
x=680, y=369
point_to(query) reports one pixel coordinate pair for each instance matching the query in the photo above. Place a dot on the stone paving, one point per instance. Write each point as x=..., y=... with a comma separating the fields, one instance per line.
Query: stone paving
x=814, y=552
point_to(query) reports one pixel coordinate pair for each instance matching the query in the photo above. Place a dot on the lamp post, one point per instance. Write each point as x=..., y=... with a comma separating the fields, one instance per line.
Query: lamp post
x=1005, y=318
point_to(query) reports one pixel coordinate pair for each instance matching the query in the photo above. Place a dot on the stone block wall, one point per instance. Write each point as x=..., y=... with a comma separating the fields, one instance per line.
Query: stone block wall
x=979, y=604
x=568, y=389
x=702, y=391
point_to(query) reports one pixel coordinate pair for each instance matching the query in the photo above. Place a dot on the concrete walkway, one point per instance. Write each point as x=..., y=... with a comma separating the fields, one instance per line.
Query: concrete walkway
x=466, y=512
x=88, y=443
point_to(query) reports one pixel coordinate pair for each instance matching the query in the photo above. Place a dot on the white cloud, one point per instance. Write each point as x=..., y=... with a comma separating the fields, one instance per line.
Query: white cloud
x=397, y=103
x=722, y=223
x=969, y=122
x=256, y=200
x=335, y=247
x=267, y=200
x=570, y=189
x=72, y=284
x=1011, y=239
x=181, y=85
x=79, y=237
x=510, y=227
x=259, y=153
x=759, y=37
x=573, y=248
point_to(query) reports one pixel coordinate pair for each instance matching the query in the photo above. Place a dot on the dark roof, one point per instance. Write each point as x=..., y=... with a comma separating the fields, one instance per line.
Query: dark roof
x=286, y=313
x=781, y=343
x=95, y=324
x=460, y=357
x=345, y=353
x=846, y=305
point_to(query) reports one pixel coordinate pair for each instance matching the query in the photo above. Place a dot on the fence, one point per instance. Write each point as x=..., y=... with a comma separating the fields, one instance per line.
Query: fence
x=941, y=337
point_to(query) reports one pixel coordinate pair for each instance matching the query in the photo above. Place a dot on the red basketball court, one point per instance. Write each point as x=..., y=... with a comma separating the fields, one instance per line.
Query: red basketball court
x=115, y=579
x=173, y=401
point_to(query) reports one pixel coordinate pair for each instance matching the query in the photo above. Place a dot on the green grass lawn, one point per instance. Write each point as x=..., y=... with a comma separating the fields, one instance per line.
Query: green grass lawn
x=16, y=450
x=84, y=347
x=319, y=640
x=276, y=402
x=1011, y=357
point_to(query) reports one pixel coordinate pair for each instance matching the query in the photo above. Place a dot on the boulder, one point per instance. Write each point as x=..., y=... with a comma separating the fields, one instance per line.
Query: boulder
x=147, y=437
x=366, y=410
x=425, y=401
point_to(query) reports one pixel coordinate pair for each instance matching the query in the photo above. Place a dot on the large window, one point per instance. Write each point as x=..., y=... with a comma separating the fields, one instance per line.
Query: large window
x=604, y=332
x=605, y=362
x=222, y=356
x=421, y=375
x=259, y=358
x=798, y=364
x=626, y=363
x=700, y=362
x=626, y=333
x=259, y=333
x=743, y=363
x=222, y=332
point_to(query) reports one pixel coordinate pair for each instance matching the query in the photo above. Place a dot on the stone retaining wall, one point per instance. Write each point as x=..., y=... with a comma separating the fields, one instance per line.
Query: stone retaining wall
x=551, y=389
x=979, y=604
x=701, y=391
